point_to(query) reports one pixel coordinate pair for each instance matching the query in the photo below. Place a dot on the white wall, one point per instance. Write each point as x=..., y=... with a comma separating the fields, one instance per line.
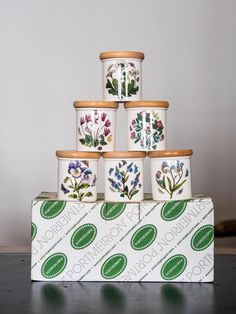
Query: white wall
x=49, y=58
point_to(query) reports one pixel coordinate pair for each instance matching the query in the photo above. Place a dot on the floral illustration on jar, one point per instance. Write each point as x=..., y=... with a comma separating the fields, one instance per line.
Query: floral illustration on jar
x=94, y=130
x=125, y=179
x=147, y=129
x=122, y=79
x=171, y=178
x=80, y=178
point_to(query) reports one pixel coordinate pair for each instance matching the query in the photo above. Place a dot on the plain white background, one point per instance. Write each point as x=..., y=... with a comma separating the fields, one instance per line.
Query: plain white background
x=49, y=58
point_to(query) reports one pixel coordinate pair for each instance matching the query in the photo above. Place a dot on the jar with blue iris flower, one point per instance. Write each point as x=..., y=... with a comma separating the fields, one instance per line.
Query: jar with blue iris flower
x=124, y=176
x=95, y=125
x=77, y=175
x=170, y=174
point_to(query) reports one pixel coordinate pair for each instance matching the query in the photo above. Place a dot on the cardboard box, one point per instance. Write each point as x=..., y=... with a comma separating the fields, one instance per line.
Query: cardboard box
x=147, y=241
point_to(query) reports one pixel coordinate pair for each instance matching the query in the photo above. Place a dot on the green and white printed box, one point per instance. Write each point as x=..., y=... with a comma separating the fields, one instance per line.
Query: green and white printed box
x=146, y=241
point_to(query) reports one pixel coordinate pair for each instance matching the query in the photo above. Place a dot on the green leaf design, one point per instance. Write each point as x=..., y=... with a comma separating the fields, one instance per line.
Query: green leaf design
x=132, y=89
x=110, y=88
x=178, y=186
x=88, y=139
x=82, y=186
x=88, y=194
x=134, y=192
x=169, y=184
x=66, y=179
x=96, y=143
x=102, y=142
x=72, y=196
x=126, y=178
x=163, y=182
x=82, y=141
x=115, y=84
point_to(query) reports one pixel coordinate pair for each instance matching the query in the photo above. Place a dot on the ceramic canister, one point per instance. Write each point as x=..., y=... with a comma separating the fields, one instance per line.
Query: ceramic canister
x=95, y=125
x=122, y=75
x=170, y=174
x=146, y=125
x=77, y=175
x=124, y=176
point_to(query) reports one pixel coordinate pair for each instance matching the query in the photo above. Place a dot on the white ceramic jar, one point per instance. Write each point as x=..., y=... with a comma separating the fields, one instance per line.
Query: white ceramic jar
x=147, y=125
x=122, y=75
x=124, y=176
x=77, y=176
x=170, y=174
x=95, y=125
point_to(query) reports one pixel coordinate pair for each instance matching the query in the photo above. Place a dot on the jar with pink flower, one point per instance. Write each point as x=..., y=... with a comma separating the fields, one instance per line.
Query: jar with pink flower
x=95, y=125
x=170, y=174
x=147, y=125
x=77, y=175
x=122, y=75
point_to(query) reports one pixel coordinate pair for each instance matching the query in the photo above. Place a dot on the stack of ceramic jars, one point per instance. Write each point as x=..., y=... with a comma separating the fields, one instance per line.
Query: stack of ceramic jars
x=146, y=132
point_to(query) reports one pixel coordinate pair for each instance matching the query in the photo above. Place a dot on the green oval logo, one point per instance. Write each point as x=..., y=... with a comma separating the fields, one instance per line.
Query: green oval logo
x=110, y=211
x=143, y=237
x=83, y=236
x=33, y=231
x=54, y=265
x=114, y=266
x=173, y=267
x=173, y=210
x=202, y=238
x=51, y=209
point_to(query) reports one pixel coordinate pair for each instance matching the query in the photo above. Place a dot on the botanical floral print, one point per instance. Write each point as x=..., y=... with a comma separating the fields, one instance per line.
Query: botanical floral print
x=122, y=79
x=80, y=178
x=125, y=179
x=147, y=129
x=171, y=178
x=95, y=130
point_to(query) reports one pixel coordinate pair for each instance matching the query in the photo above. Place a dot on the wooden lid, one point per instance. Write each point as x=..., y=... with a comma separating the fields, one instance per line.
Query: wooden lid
x=147, y=103
x=95, y=104
x=121, y=54
x=170, y=153
x=77, y=155
x=124, y=154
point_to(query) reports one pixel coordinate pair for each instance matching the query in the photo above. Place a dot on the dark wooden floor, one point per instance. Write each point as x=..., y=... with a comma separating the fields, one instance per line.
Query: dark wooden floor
x=19, y=295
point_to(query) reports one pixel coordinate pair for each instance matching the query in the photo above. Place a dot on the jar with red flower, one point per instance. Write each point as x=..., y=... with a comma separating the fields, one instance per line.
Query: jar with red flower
x=95, y=125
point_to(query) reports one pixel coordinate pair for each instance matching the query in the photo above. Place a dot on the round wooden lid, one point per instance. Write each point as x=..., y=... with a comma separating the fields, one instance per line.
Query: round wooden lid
x=77, y=155
x=95, y=104
x=170, y=153
x=124, y=154
x=121, y=54
x=147, y=103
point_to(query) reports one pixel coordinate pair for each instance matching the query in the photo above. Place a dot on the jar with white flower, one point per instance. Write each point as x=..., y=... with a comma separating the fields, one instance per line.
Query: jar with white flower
x=124, y=176
x=122, y=75
x=77, y=175
x=95, y=125
x=170, y=174
x=147, y=125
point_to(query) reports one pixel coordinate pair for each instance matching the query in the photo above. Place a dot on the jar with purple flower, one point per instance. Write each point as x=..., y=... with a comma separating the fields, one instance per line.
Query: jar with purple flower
x=124, y=176
x=95, y=125
x=77, y=175
x=170, y=174
x=146, y=125
x=122, y=75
